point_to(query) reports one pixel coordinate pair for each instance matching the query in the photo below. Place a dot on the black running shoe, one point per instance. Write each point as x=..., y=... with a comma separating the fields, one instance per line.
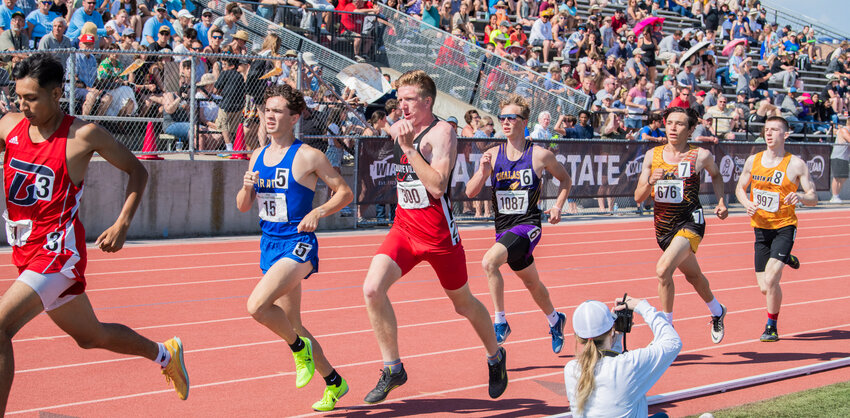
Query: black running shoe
x=498, y=376
x=770, y=334
x=386, y=383
x=793, y=262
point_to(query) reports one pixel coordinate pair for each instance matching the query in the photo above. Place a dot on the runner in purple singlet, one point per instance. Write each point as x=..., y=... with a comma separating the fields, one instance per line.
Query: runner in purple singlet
x=515, y=177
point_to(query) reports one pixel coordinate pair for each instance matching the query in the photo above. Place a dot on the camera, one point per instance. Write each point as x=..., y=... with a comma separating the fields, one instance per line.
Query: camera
x=623, y=322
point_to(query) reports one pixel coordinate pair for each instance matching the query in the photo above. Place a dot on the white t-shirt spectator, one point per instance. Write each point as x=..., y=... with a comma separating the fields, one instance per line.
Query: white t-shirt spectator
x=540, y=132
x=540, y=32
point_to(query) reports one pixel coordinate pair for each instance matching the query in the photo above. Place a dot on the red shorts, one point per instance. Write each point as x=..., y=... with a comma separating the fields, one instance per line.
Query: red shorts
x=448, y=262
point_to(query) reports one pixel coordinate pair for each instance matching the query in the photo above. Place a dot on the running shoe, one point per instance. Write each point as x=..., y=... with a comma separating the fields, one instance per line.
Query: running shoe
x=498, y=376
x=717, y=329
x=175, y=372
x=386, y=383
x=793, y=262
x=304, y=366
x=557, y=333
x=770, y=335
x=331, y=396
x=502, y=332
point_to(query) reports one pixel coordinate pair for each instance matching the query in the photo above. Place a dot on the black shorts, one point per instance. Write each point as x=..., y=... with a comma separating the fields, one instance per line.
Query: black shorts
x=519, y=249
x=840, y=168
x=773, y=243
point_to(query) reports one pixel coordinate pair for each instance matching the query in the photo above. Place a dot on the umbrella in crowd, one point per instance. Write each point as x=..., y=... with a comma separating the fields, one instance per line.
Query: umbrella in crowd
x=135, y=65
x=366, y=80
x=727, y=50
x=650, y=21
x=693, y=51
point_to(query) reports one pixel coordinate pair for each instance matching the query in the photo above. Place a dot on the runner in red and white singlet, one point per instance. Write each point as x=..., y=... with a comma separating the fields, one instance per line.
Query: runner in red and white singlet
x=42, y=205
x=47, y=156
x=424, y=230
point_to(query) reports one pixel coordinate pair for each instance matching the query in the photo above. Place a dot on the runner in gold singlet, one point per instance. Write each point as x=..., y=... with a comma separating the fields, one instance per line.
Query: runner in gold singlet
x=671, y=175
x=773, y=176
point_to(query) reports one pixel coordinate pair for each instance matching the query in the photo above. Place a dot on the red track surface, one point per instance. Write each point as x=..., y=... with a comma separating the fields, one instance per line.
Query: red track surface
x=198, y=290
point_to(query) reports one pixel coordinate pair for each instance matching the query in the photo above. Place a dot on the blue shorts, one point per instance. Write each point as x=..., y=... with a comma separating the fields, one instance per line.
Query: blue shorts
x=300, y=247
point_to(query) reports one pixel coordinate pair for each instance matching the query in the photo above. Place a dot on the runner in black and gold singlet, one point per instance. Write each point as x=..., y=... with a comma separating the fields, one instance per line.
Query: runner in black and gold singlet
x=773, y=176
x=671, y=175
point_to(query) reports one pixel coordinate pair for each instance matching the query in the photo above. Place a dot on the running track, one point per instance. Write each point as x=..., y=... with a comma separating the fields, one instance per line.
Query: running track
x=197, y=289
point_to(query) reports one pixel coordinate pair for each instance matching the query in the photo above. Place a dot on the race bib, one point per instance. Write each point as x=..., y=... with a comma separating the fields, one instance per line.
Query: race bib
x=17, y=232
x=767, y=201
x=512, y=202
x=669, y=191
x=272, y=207
x=412, y=195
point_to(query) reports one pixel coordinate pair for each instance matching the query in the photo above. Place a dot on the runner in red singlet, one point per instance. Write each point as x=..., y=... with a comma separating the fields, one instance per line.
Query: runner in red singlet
x=47, y=155
x=424, y=230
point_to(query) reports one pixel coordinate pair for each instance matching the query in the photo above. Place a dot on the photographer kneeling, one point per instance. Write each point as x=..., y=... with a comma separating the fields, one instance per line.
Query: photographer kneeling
x=602, y=382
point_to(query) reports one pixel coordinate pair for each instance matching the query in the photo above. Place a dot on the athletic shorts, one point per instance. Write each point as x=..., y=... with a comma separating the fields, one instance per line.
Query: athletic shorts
x=692, y=231
x=301, y=248
x=54, y=289
x=840, y=168
x=773, y=243
x=520, y=241
x=449, y=263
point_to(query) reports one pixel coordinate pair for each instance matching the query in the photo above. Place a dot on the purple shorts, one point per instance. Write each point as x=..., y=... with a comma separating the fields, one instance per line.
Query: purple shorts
x=528, y=233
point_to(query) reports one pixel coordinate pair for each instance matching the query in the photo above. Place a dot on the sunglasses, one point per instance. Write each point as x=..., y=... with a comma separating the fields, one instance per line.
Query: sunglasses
x=216, y=37
x=48, y=3
x=165, y=33
x=509, y=117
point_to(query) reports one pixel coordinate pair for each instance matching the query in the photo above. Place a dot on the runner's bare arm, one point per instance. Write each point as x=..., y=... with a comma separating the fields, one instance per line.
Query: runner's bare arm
x=102, y=142
x=809, y=196
x=485, y=168
x=716, y=182
x=246, y=196
x=341, y=197
x=647, y=179
x=443, y=142
x=566, y=183
x=741, y=188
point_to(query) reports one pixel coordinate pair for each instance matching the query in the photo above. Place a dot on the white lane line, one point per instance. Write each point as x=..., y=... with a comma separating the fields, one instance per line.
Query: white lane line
x=439, y=298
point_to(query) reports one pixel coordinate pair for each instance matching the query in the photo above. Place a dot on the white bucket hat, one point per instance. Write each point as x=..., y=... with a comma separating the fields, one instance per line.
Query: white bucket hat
x=592, y=319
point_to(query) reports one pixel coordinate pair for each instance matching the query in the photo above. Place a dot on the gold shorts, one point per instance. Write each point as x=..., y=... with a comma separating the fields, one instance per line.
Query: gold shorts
x=693, y=238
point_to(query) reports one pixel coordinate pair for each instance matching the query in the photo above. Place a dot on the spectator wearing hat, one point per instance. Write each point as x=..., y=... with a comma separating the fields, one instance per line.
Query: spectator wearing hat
x=15, y=39
x=541, y=34
x=227, y=23
x=453, y=122
x=502, y=12
x=203, y=27
x=601, y=381
x=502, y=31
x=127, y=43
x=207, y=114
x=154, y=24
x=85, y=64
x=635, y=67
x=6, y=9
x=239, y=43
x=704, y=131
x=620, y=49
x=163, y=41
x=56, y=39
x=185, y=20
x=40, y=21
x=663, y=94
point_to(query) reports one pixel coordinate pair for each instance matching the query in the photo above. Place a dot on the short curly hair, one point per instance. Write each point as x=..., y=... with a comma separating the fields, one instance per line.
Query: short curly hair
x=294, y=98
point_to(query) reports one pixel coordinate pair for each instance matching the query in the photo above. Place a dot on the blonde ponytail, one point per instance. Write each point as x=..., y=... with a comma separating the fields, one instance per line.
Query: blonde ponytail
x=587, y=360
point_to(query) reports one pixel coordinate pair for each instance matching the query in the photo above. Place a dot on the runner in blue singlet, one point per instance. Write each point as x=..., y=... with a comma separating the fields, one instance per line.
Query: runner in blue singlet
x=282, y=179
x=516, y=179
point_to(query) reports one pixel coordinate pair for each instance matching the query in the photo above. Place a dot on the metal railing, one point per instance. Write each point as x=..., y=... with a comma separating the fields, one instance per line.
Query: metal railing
x=471, y=74
x=797, y=20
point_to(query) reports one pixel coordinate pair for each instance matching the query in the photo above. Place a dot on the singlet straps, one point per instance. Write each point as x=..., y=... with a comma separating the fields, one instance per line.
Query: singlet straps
x=422, y=134
x=290, y=154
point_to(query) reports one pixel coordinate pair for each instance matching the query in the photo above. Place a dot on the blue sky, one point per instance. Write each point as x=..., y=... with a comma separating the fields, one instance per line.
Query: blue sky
x=835, y=13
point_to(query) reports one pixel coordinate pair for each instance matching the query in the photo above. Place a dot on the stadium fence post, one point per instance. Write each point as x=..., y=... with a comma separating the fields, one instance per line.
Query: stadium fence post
x=72, y=96
x=193, y=112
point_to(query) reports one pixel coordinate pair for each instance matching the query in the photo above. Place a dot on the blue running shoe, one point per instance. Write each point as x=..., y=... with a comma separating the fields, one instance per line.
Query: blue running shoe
x=502, y=332
x=557, y=333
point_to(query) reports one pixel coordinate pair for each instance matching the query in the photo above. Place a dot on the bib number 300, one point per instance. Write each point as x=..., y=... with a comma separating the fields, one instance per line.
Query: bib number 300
x=412, y=195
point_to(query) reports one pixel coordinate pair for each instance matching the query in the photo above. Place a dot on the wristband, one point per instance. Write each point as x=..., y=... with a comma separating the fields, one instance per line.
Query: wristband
x=556, y=206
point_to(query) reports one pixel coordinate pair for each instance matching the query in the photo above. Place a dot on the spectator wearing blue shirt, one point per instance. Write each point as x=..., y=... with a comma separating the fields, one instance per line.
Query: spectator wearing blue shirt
x=152, y=25
x=792, y=44
x=6, y=10
x=83, y=16
x=40, y=21
x=175, y=6
x=651, y=132
x=85, y=65
x=582, y=130
x=203, y=27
